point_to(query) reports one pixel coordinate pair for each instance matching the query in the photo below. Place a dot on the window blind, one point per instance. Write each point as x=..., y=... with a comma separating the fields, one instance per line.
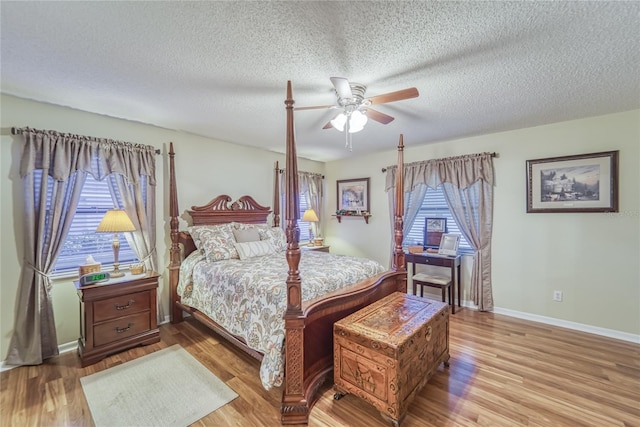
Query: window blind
x=434, y=205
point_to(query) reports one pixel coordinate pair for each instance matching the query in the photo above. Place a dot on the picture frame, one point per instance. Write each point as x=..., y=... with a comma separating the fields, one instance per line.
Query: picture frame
x=353, y=195
x=578, y=183
x=434, y=228
x=449, y=244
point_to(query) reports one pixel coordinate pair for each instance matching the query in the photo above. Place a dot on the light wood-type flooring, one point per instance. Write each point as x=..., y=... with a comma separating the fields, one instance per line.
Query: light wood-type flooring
x=504, y=372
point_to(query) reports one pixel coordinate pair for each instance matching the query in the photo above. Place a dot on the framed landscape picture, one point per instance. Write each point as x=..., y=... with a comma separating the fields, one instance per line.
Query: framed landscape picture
x=580, y=183
x=353, y=195
x=434, y=228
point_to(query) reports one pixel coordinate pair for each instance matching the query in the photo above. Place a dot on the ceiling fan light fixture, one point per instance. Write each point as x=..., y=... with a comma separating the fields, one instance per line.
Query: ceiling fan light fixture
x=357, y=121
x=339, y=121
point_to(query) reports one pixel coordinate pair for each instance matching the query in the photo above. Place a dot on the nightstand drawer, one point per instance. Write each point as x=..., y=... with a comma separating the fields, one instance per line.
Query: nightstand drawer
x=121, y=328
x=121, y=305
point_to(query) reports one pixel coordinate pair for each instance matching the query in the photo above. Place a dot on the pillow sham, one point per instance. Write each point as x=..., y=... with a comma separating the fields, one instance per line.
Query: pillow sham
x=276, y=235
x=197, y=231
x=215, y=241
x=246, y=235
x=267, y=232
x=254, y=249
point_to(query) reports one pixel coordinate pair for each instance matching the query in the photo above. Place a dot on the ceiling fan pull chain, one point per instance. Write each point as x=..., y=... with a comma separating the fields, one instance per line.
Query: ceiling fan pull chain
x=347, y=135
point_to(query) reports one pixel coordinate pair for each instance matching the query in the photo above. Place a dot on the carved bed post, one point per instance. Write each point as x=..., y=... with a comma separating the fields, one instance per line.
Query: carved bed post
x=174, y=252
x=276, y=197
x=294, y=408
x=398, y=253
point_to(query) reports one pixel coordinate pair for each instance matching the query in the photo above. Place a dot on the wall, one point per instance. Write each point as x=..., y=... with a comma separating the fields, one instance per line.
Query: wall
x=205, y=168
x=592, y=257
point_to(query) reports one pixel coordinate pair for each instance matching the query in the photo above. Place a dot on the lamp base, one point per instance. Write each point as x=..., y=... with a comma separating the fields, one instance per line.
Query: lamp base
x=116, y=272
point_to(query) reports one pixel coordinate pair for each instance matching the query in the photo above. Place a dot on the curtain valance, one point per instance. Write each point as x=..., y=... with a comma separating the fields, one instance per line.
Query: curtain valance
x=461, y=171
x=62, y=154
x=309, y=182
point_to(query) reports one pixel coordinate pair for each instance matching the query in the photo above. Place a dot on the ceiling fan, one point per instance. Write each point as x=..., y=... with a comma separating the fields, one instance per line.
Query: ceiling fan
x=355, y=108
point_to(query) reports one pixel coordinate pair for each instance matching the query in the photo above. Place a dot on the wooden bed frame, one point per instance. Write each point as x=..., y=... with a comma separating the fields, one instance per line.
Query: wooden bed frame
x=308, y=325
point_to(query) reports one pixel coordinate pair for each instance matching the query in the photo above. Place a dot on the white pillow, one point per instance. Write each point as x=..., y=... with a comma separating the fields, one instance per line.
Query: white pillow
x=258, y=248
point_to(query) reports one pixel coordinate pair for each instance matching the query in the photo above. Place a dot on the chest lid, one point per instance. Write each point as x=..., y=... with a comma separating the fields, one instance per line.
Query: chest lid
x=393, y=319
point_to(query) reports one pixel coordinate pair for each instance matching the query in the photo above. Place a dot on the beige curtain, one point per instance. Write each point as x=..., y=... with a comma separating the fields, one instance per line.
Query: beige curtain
x=61, y=162
x=138, y=197
x=467, y=183
x=310, y=186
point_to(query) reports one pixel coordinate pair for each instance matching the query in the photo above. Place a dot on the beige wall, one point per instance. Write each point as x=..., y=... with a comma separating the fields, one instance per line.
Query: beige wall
x=593, y=258
x=205, y=169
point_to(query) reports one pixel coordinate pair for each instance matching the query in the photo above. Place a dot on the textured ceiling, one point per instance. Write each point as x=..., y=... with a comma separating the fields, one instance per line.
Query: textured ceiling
x=219, y=69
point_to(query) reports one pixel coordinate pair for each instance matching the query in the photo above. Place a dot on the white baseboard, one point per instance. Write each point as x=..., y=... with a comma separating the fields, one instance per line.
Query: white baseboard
x=610, y=333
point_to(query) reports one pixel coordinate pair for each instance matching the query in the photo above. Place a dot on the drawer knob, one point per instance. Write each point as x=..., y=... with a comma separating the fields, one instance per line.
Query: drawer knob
x=124, y=307
x=121, y=330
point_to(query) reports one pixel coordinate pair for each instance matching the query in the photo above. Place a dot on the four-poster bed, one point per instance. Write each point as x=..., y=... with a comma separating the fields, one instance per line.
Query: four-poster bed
x=308, y=323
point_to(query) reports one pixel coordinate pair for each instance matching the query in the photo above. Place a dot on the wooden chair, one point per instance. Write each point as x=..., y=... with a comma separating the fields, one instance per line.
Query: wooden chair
x=442, y=282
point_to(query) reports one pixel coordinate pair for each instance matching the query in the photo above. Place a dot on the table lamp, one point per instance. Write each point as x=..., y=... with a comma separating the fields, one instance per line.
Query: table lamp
x=115, y=221
x=310, y=216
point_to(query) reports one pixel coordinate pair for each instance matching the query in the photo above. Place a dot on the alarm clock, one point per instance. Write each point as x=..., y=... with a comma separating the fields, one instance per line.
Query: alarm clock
x=91, y=278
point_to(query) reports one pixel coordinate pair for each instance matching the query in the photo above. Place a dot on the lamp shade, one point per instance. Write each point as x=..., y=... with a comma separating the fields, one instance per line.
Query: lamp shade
x=310, y=216
x=115, y=221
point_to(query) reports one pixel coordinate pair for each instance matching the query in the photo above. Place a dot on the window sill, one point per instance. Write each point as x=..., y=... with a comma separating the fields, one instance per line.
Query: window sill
x=73, y=274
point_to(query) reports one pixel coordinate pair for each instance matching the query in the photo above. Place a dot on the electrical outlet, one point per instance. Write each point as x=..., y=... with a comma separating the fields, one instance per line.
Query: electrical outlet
x=557, y=295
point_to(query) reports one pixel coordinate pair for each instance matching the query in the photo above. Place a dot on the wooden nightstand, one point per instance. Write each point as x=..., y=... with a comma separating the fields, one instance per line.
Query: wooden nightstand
x=322, y=248
x=117, y=315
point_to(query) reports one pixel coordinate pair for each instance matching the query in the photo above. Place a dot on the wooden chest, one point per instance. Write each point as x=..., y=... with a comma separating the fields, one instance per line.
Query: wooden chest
x=386, y=352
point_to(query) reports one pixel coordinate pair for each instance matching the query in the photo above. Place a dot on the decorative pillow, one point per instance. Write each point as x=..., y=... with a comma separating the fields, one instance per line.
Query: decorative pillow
x=246, y=235
x=258, y=248
x=197, y=231
x=216, y=241
x=267, y=232
x=276, y=235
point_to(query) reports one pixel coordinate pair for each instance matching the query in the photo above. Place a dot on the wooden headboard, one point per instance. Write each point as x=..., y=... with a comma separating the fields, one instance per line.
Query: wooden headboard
x=222, y=210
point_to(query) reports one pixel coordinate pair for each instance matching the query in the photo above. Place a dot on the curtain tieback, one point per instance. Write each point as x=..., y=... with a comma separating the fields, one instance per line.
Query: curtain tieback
x=149, y=255
x=40, y=272
x=36, y=269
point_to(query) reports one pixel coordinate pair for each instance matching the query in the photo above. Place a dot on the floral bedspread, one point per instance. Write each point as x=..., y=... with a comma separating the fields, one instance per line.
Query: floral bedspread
x=248, y=298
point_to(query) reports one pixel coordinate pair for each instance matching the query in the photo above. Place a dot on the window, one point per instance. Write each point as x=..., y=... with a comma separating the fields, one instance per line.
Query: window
x=434, y=205
x=303, y=225
x=82, y=239
x=303, y=205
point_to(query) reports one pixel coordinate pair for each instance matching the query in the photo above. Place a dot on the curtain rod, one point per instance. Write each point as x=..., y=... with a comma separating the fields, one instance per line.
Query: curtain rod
x=494, y=154
x=282, y=171
x=16, y=131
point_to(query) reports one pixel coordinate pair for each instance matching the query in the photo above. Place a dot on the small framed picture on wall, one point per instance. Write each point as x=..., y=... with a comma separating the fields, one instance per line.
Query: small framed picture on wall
x=353, y=195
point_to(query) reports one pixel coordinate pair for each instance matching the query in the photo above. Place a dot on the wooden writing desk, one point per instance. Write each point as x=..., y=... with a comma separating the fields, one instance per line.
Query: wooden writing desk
x=452, y=262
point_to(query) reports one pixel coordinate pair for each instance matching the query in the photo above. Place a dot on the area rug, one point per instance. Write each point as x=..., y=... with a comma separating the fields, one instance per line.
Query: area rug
x=166, y=388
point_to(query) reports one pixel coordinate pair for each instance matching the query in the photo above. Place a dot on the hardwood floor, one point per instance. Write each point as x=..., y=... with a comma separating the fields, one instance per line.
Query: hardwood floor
x=504, y=372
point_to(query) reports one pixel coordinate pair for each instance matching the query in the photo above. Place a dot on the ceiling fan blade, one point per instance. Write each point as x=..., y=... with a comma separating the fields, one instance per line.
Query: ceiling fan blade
x=379, y=117
x=342, y=87
x=394, y=96
x=329, y=125
x=315, y=107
